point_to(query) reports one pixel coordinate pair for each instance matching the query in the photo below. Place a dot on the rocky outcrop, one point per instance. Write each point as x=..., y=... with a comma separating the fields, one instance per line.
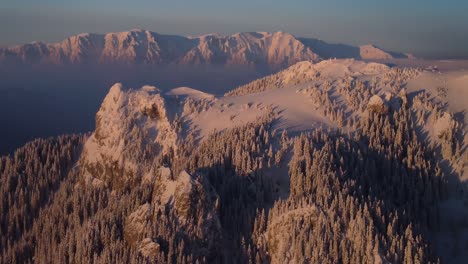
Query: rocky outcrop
x=377, y=105
x=278, y=234
x=136, y=223
x=190, y=197
x=132, y=129
x=188, y=204
x=149, y=248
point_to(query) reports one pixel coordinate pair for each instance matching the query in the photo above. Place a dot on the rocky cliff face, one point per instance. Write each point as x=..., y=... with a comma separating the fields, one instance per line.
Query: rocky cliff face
x=133, y=133
x=191, y=204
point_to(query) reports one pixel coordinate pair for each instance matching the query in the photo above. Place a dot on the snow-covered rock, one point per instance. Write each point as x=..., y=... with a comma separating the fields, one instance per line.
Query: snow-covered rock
x=148, y=247
x=135, y=223
x=278, y=235
x=132, y=128
x=377, y=104
x=182, y=191
x=443, y=124
x=193, y=200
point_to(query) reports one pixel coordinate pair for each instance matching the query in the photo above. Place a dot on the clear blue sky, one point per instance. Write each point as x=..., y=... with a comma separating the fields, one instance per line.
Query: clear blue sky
x=424, y=27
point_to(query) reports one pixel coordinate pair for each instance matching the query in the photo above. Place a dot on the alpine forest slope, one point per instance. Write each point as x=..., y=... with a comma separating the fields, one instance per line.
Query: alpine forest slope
x=340, y=161
x=277, y=49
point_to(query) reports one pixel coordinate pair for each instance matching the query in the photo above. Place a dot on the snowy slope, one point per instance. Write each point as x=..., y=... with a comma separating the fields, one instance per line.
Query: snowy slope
x=454, y=82
x=341, y=51
x=291, y=94
x=131, y=123
x=343, y=90
x=306, y=71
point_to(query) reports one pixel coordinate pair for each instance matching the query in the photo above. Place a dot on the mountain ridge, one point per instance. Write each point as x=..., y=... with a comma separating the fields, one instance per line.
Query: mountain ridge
x=340, y=150
x=139, y=46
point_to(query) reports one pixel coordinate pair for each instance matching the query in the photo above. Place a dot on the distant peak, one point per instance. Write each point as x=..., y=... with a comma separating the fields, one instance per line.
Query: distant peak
x=370, y=45
x=138, y=30
x=213, y=34
x=280, y=32
x=263, y=34
x=36, y=42
x=83, y=34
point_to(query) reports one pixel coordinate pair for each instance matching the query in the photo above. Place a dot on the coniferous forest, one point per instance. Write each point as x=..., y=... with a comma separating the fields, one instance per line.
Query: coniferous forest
x=367, y=191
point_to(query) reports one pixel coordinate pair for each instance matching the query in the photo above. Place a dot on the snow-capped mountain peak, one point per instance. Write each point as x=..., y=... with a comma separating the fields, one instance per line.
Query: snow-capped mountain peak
x=139, y=46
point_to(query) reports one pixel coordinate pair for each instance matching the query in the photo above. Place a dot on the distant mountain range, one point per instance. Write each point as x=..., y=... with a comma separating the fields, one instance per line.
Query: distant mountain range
x=146, y=47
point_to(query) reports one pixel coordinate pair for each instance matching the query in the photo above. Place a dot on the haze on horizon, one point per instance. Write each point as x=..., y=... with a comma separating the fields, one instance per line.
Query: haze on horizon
x=429, y=29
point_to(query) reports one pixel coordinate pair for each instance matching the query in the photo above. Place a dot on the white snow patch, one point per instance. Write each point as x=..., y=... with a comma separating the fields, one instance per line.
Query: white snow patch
x=443, y=124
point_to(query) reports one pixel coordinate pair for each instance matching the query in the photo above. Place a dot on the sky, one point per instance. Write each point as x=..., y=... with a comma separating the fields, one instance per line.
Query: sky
x=426, y=28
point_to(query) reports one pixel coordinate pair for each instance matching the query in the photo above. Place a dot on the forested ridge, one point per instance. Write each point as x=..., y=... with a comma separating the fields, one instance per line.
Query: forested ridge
x=366, y=191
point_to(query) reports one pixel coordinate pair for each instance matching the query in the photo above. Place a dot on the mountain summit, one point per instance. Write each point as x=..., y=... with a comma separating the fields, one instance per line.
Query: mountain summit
x=150, y=48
